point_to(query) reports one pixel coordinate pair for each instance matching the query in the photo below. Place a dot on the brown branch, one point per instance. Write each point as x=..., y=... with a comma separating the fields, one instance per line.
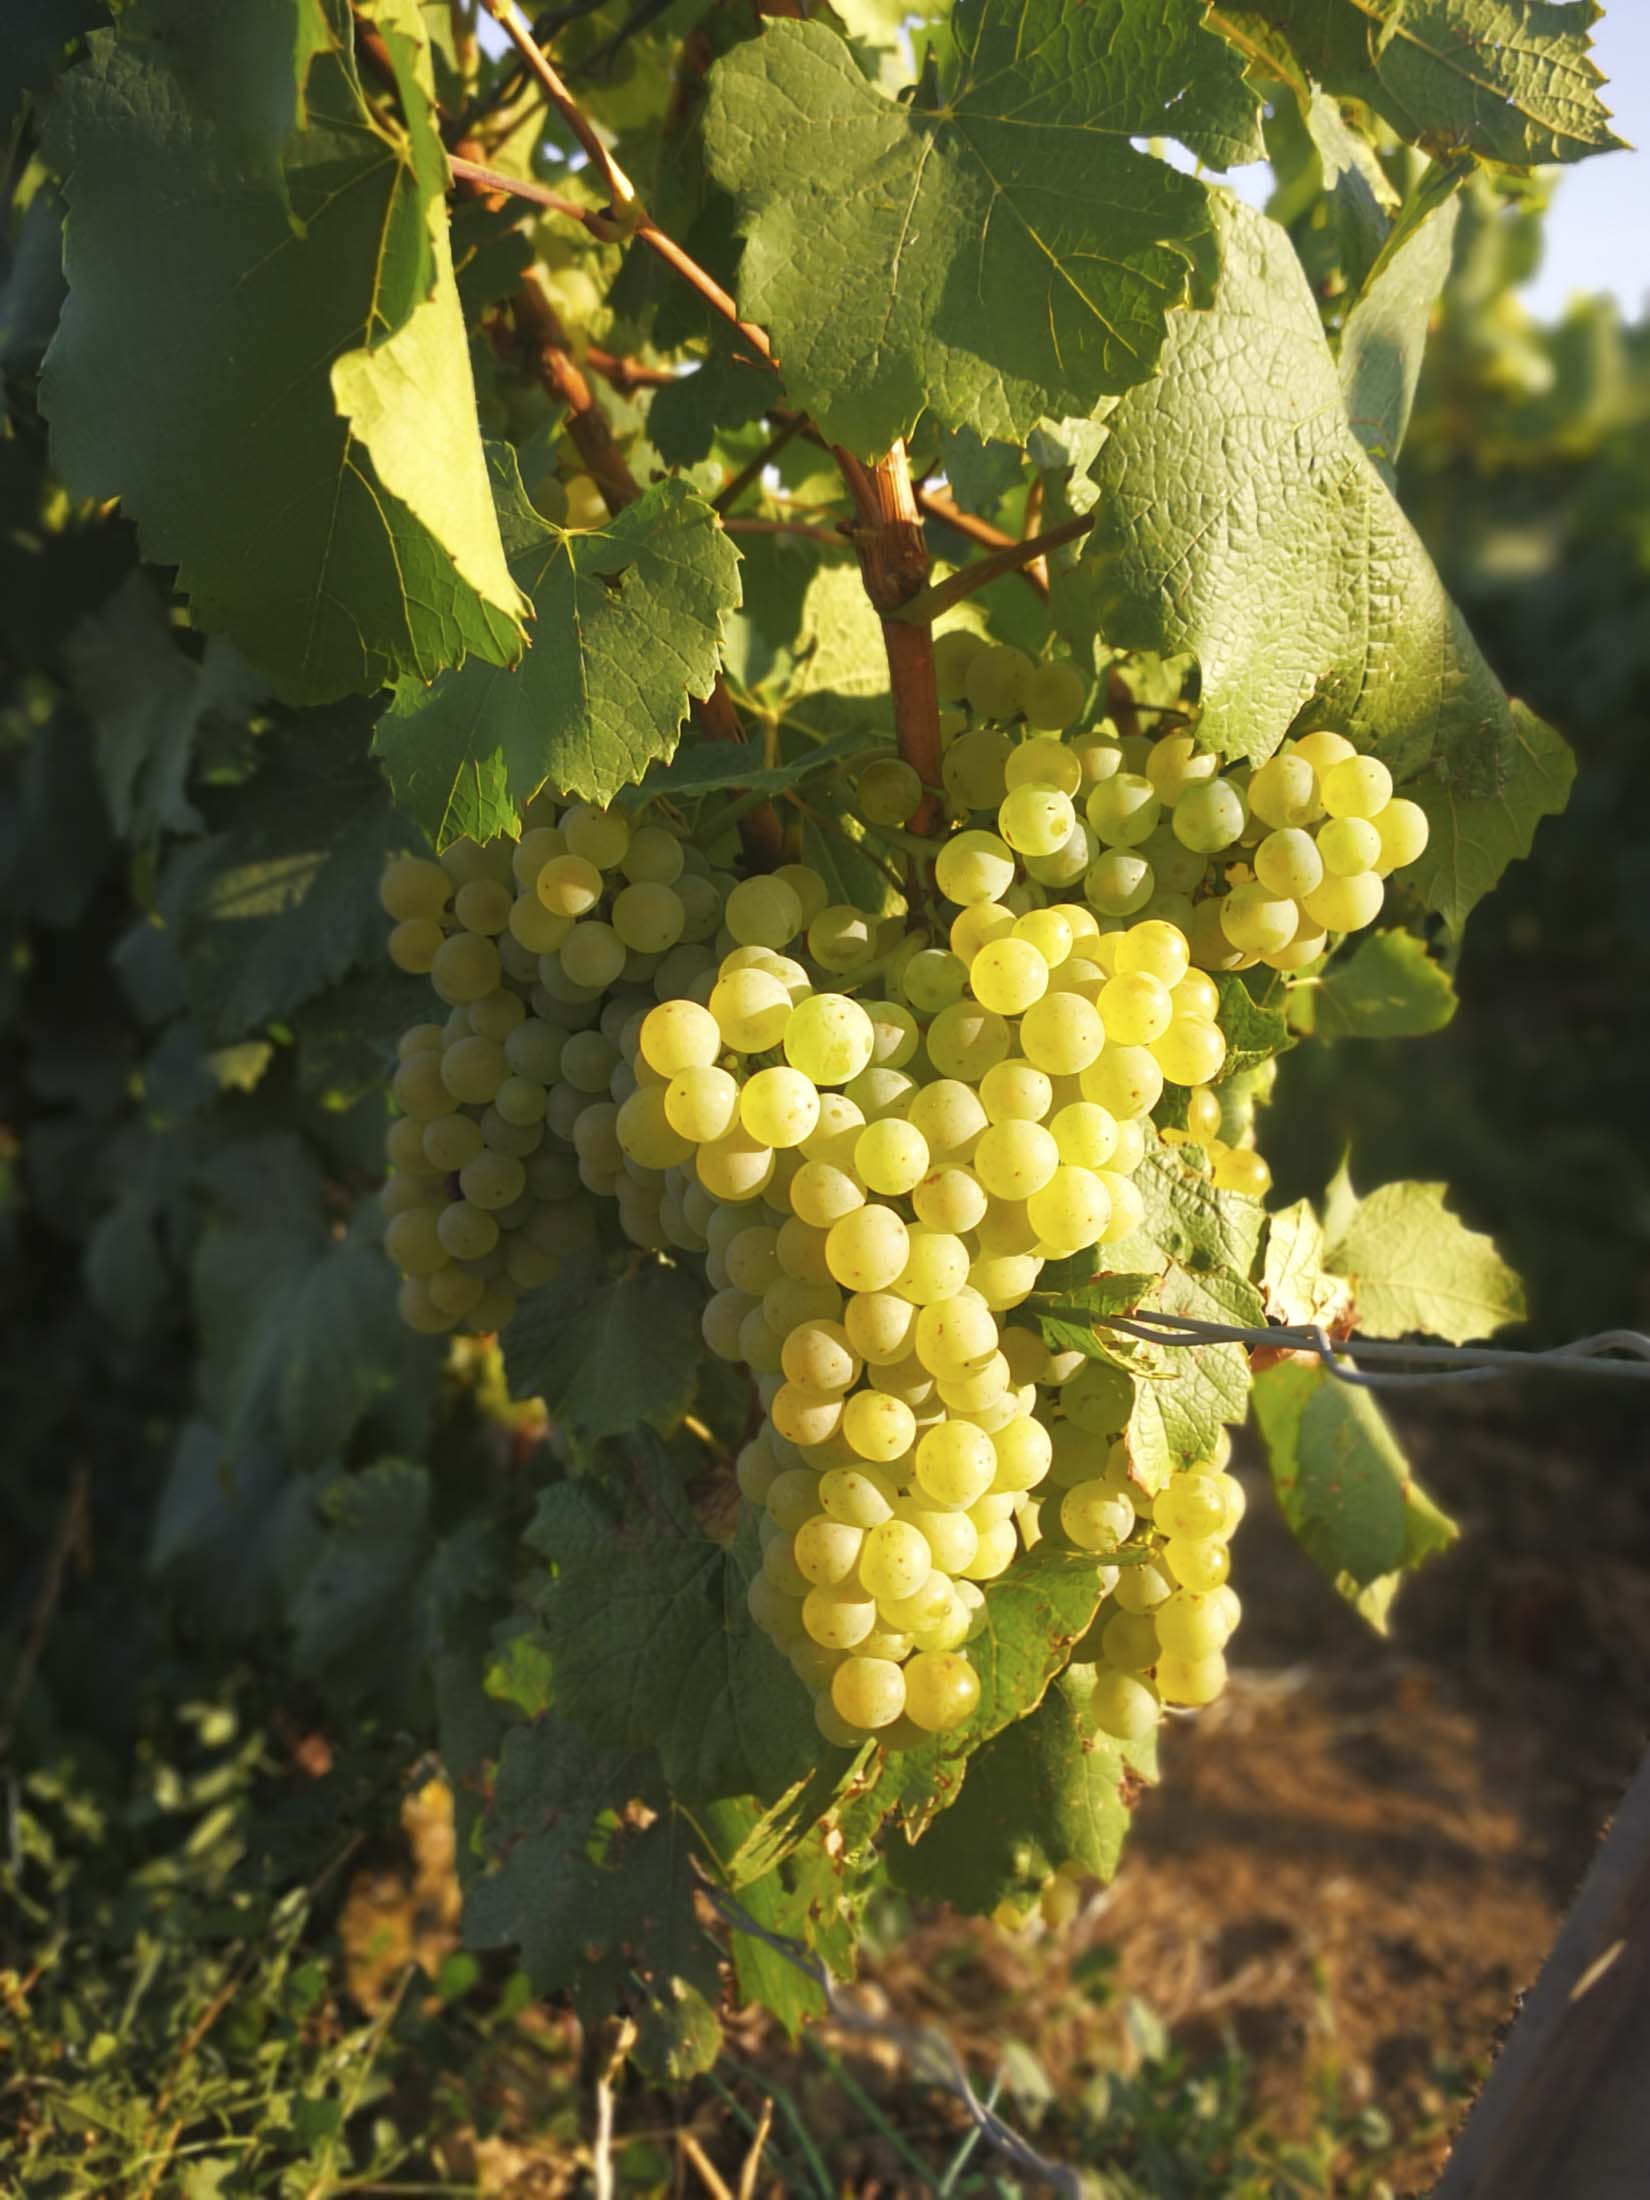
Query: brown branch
x=937, y=505
x=894, y=564
x=626, y=375
x=515, y=26
x=1032, y=525
x=739, y=525
x=1014, y=557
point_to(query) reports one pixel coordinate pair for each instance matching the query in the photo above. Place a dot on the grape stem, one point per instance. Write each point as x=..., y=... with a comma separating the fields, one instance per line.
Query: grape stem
x=894, y=563
x=1012, y=558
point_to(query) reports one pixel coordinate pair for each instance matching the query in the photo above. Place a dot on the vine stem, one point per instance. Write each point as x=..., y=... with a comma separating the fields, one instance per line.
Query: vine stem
x=937, y=505
x=515, y=26
x=1012, y=558
x=894, y=564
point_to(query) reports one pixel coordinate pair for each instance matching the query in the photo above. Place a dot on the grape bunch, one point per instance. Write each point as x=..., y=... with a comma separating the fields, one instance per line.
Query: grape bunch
x=874, y=1132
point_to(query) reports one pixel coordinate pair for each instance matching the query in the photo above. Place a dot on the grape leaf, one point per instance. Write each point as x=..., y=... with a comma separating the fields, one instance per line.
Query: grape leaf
x=1385, y=332
x=147, y=703
x=231, y=1532
x=1509, y=80
x=1188, y=1221
x=883, y=237
x=246, y=66
x=1240, y=519
x=728, y=390
x=298, y=1326
x=629, y=622
x=590, y=1893
x=1388, y=987
x=1048, y=1790
x=717, y=767
x=651, y=1642
x=371, y=1607
x=283, y=903
x=1476, y=835
x=1296, y=1282
x=1255, y=1028
x=1344, y=1484
x=606, y=1352
x=274, y=377
x=1033, y=1614
x=1416, y=1267
x=1184, y=1395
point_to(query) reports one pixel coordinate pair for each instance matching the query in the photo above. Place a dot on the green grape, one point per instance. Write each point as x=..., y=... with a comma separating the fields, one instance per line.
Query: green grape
x=451, y=1140
x=416, y=1306
x=492, y=1180
x=804, y=1416
x=965, y=1041
x=1240, y=1170
x=779, y=1106
x=1346, y=904
x=895, y=1560
x=592, y=955
x=1003, y=1280
x=881, y=1326
x=1129, y=1641
x=1123, y=809
x=974, y=866
x=998, y=680
x=466, y=1231
x=1175, y=869
x=473, y=1069
x=463, y=860
x=841, y=938
x=936, y=1267
x=1125, y=1079
x=1068, y=862
x=1098, y=755
x=1008, y=975
x=829, y=1038
x=1155, y=950
x=1053, y=697
x=1191, y=1626
x=1191, y=1681
x=1085, y=1133
x=894, y=1034
x=414, y=944
x=1096, y=1517
x=856, y=1495
x=867, y=1249
x=867, y=1692
x=973, y=767
x=734, y=1167
x=534, y=928
x=568, y=886
x=763, y=912
x=949, y=1115
x=1404, y=829
x=817, y=1355
x=756, y=1470
x=1071, y=1211
x=1209, y=818
x=1043, y=763
x=878, y=1427
x=954, y=652
x=1049, y=931
x=483, y=905
x=888, y=791
x=996, y=1552
x=534, y=1049
x=601, y=837
x=1356, y=787
x=751, y=1009
x=1142, y=1588
x=1323, y=751
x=520, y=1101
x=826, y=1551
x=1015, y=1158
x=1016, y=1088
x=1345, y=846
x=1036, y=821
x=588, y=1061
x=1197, y=1562
x=949, y=1198
x=955, y=1467
x=1289, y=863
x=648, y=918
x=411, y=889
x=1062, y=1034
x=934, y=979
x=1119, y=881
x=679, y=1035
x=701, y=908
x=838, y=1615
x=465, y=968
x=890, y=1157
x=1135, y=1008
x=413, y=1241
x=1124, y=1707
x=1283, y=792
x=646, y=1132
x=1175, y=762
x=1024, y=1451
x=1191, y=1051
x=1256, y=921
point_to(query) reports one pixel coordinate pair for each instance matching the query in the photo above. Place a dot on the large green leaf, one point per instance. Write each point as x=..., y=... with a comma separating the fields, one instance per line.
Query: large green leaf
x=992, y=251
x=606, y=1352
x=629, y=623
x=1241, y=519
x=298, y=1325
x=1416, y=1267
x=272, y=374
x=1510, y=80
x=1048, y=1790
x=1385, y=332
x=651, y=1643
x=148, y=703
x=1184, y=1395
x=1475, y=835
x=1386, y=987
x=1344, y=1484
x=1188, y=1220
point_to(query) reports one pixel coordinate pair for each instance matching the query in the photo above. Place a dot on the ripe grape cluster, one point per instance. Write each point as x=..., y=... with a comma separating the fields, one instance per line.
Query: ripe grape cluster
x=874, y=1132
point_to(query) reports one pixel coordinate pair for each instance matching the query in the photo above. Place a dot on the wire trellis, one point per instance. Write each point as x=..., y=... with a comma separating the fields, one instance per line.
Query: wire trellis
x=925, y=2049
x=1623, y=1353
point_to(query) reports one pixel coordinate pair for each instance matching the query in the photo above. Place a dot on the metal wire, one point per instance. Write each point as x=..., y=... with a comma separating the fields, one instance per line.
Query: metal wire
x=1399, y=1366
x=925, y=2048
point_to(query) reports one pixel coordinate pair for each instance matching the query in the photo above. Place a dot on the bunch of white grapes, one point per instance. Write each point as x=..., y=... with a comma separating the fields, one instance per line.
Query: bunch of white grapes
x=874, y=1132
